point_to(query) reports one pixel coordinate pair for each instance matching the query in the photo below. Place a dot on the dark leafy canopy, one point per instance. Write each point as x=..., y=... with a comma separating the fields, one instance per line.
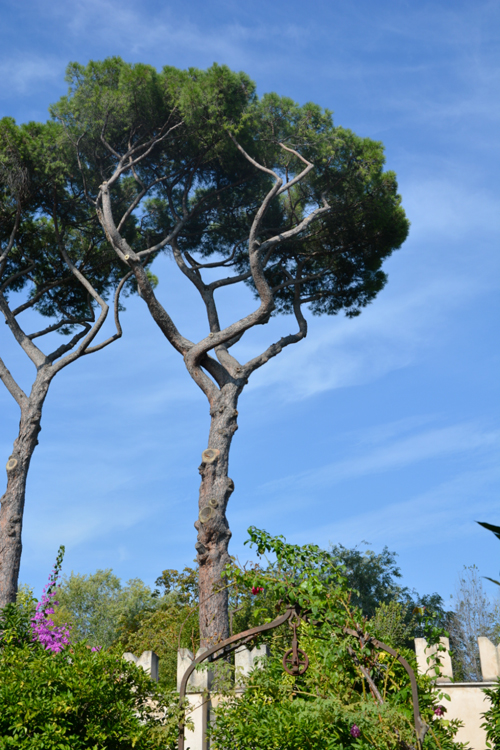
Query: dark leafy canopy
x=372, y=577
x=48, y=233
x=167, y=145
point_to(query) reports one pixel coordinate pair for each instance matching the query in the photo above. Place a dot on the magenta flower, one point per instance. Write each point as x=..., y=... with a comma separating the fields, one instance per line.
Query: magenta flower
x=257, y=589
x=355, y=731
x=439, y=711
x=52, y=637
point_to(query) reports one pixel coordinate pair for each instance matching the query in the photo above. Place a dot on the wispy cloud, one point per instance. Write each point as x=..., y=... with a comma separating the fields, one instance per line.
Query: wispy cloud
x=437, y=517
x=437, y=443
x=167, y=34
x=23, y=73
x=77, y=525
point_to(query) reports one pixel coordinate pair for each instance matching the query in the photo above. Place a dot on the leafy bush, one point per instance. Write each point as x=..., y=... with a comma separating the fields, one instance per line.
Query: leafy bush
x=173, y=623
x=55, y=695
x=352, y=695
x=492, y=717
x=79, y=699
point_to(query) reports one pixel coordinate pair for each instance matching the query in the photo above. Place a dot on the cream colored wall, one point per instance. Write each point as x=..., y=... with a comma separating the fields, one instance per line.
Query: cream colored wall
x=467, y=703
x=467, y=699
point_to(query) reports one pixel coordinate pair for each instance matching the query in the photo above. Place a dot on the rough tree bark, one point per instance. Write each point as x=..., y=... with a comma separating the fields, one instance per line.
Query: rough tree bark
x=12, y=501
x=212, y=526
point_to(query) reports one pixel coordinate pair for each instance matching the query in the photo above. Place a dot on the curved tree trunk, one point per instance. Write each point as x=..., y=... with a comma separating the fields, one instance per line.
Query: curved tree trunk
x=12, y=502
x=212, y=526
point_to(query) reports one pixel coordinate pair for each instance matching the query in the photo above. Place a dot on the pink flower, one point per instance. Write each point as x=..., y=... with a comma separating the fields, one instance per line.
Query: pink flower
x=355, y=731
x=52, y=637
x=439, y=710
x=257, y=589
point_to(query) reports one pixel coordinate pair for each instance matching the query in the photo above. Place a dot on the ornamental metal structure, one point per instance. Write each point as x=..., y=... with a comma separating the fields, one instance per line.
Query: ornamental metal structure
x=296, y=661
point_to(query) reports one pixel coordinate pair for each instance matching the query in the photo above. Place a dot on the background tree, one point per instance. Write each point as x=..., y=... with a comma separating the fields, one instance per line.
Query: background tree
x=100, y=609
x=474, y=615
x=391, y=614
x=262, y=191
x=373, y=578
x=53, y=260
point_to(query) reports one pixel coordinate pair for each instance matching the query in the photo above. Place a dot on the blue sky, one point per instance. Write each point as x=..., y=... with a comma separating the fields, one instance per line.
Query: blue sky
x=384, y=428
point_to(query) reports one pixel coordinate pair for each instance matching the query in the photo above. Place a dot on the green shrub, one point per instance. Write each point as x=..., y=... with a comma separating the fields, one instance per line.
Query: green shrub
x=80, y=699
x=74, y=697
x=492, y=717
x=352, y=695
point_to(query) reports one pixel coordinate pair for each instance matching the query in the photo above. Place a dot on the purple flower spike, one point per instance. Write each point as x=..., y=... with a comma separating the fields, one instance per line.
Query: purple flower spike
x=355, y=731
x=53, y=638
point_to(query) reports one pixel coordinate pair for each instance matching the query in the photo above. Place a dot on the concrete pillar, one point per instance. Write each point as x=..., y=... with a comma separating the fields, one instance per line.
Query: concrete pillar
x=424, y=652
x=258, y=652
x=198, y=681
x=196, y=738
x=197, y=695
x=242, y=664
x=148, y=660
x=489, y=655
x=245, y=661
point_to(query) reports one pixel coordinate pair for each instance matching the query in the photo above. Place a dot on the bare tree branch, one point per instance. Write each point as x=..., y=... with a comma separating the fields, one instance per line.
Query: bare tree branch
x=56, y=326
x=34, y=353
x=68, y=346
x=116, y=308
x=149, y=146
x=219, y=283
x=298, y=282
x=252, y=161
x=216, y=264
x=300, y=176
x=279, y=238
x=14, y=389
x=139, y=196
x=158, y=312
x=91, y=291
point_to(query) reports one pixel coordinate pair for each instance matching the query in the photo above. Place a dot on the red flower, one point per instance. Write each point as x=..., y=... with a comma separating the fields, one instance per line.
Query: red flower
x=257, y=589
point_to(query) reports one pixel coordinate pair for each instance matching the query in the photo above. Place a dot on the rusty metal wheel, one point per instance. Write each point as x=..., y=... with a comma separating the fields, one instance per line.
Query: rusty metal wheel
x=298, y=666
